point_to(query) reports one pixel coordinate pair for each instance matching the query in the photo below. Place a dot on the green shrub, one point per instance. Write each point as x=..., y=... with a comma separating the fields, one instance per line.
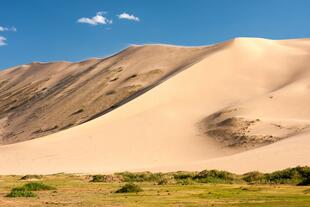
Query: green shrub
x=35, y=186
x=305, y=182
x=129, y=188
x=155, y=177
x=106, y=178
x=297, y=175
x=183, y=178
x=289, y=176
x=20, y=192
x=214, y=176
x=140, y=177
x=183, y=175
x=254, y=177
x=163, y=181
x=98, y=178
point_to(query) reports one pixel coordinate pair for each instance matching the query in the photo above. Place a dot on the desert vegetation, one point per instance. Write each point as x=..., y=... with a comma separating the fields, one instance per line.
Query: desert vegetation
x=129, y=188
x=26, y=190
x=293, y=176
x=20, y=192
x=288, y=187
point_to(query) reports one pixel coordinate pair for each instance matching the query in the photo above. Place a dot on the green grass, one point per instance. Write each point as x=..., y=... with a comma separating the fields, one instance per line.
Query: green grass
x=184, y=189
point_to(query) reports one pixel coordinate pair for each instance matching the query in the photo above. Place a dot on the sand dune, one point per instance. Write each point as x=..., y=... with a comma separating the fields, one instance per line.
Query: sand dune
x=243, y=106
x=38, y=99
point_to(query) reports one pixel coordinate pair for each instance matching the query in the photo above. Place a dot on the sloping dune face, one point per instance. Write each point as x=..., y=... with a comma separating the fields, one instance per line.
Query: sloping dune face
x=42, y=98
x=244, y=94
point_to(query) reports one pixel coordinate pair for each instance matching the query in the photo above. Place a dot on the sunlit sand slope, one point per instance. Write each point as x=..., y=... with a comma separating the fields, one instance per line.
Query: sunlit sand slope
x=243, y=107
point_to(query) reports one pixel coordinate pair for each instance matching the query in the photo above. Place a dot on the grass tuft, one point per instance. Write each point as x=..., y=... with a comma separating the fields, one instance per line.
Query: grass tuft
x=129, y=188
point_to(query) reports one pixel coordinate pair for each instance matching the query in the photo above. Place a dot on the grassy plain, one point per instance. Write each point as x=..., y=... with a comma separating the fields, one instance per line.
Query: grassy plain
x=82, y=190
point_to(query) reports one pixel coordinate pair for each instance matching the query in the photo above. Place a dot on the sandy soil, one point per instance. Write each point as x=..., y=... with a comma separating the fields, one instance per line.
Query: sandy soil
x=166, y=128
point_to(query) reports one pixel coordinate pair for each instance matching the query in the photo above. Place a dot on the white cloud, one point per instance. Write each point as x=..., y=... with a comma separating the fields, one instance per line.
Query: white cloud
x=2, y=29
x=127, y=16
x=7, y=29
x=2, y=41
x=95, y=20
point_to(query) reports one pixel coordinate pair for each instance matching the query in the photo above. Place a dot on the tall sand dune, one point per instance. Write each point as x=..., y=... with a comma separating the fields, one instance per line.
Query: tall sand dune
x=38, y=99
x=240, y=105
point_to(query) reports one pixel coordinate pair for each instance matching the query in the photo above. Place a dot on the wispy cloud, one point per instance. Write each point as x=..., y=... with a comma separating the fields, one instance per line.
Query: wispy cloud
x=2, y=41
x=127, y=16
x=7, y=29
x=95, y=20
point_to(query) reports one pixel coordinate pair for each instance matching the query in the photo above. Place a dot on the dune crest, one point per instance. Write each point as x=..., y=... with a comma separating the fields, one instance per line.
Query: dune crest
x=240, y=105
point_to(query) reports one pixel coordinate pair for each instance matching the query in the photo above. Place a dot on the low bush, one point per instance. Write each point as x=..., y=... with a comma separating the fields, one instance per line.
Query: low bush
x=214, y=176
x=98, y=178
x=254, y=177
x=140, y=177
x=26, y=190
x=35, y=186
x=305, y=182
x=289, y=176
x=183, y=178
x=294, y=176
x=163, y=181
x=20, y=192
x=183, y=175
x=129, y=188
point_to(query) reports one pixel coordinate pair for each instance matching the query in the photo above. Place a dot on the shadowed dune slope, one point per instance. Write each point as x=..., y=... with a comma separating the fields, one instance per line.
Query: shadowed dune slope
x=42, y=98
x=243, y=107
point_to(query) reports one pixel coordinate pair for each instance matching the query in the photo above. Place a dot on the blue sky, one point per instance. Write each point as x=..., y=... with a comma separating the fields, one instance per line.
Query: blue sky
x=73, y=30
